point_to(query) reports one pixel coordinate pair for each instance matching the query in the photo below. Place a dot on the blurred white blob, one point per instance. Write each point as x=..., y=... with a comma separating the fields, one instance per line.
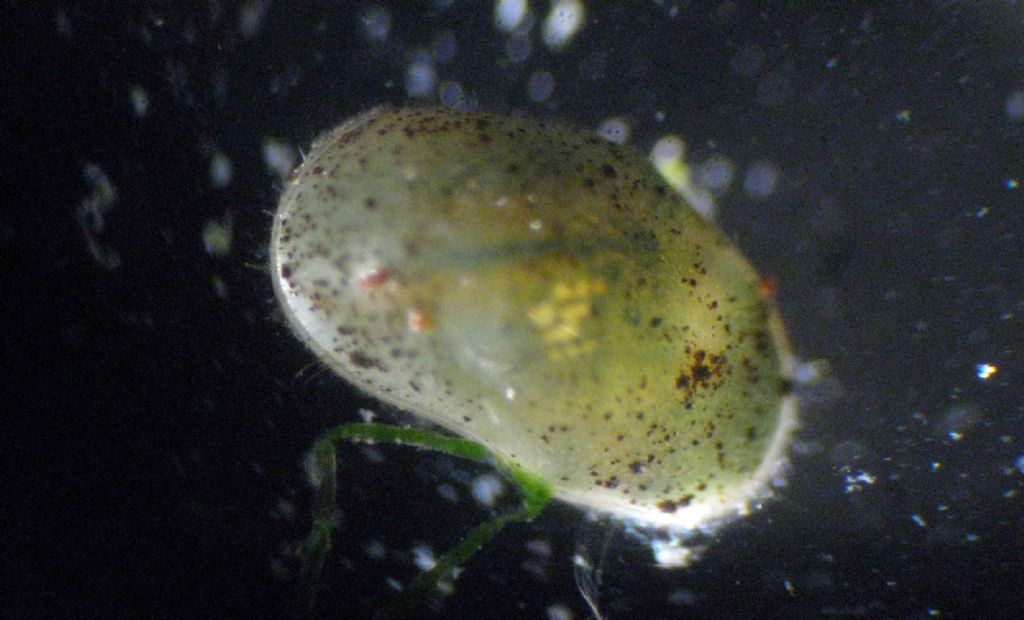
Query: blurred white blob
x=1015, y=105
x=420, y=75
x=279, y=157
x=563, y=22
x=509, y=14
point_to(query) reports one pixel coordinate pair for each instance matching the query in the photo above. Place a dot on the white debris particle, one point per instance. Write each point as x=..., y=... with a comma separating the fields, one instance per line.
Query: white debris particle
x=540, y=86
x=1019, y=463
x=423, y=557
x=559, y=612
x=420, y=75
x=856, y=481
x=376, y=23
x=971, y=537
x=563, y=21
x=221, y=170
x=761, y=179
x=250, y=18
x=486, y=489
x=279, y=157
x=918, y=519
x=375, y=549
x=91, y=215
x=140, y=101
x=1015, y=105
x=614, y=129
x=220, y=287
x=672, y=554
x=509, y=14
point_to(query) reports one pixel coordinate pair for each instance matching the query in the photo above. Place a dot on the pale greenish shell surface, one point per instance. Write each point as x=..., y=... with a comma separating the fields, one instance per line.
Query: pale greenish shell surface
x=540, y=290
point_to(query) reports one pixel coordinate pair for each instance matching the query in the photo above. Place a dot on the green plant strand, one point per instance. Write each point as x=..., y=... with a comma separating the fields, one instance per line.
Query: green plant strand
x=536, y=494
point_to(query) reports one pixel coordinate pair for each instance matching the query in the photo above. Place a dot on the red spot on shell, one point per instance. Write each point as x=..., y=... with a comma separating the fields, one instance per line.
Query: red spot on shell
x=374, y=279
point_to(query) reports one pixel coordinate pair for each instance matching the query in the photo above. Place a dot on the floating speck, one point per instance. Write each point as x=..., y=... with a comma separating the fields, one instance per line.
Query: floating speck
x=278, y=157
x=518, y=47
x=559, y=612
x=970, y=537
x=1015, y=105
x=903, y=116
x=1012, y=184
x=1019, y=463
x=444, y=47
x=919, y=520
x=221, y=170
x=376, y=23
x=420, y=75
x=375, y=549
x=716, y=174
x=451, y=94
x=540, y=86
x=250, y=18
x=614, y=129
x=761, y=179
x=985, y=371
x=140, y=101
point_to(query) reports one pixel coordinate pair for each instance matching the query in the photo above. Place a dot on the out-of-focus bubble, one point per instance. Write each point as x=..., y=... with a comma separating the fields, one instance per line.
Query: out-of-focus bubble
x=451, y=94
x=250, y=18
x=1015, y=105
x=509, y=14
x=140, y=101
x=445, y=46
x=716, y=174
x=221, y=170
x=615, y=129
x=540, y=86
x=420, y=75
x=747, y=62
x=376, y=23
x=761, y=179
x=518, y=47
x=563, y=21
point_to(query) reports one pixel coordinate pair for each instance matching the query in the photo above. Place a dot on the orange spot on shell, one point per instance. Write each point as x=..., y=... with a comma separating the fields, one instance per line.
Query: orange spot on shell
x=420, y=321
x=768, y=287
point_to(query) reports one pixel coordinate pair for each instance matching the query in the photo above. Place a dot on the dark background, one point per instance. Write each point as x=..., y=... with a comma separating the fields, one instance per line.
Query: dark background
x=157, y=412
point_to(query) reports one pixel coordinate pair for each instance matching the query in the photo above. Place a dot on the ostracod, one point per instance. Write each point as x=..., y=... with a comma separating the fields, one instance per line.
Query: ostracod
x=537, y=289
